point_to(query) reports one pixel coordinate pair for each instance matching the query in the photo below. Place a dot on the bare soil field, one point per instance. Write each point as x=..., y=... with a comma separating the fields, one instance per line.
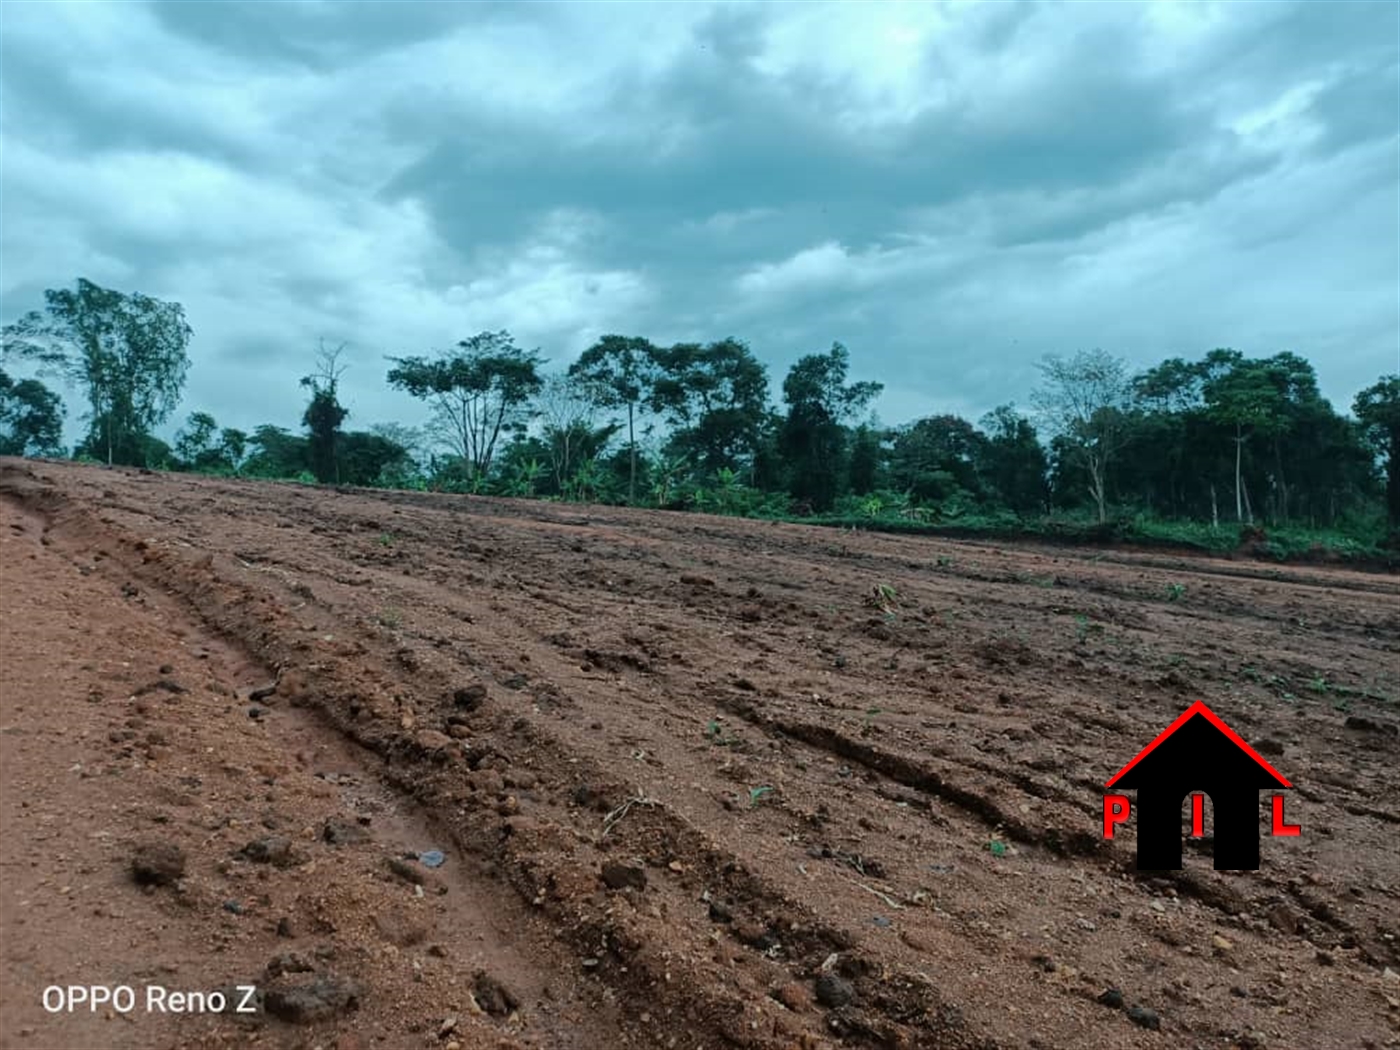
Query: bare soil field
x=694, y=781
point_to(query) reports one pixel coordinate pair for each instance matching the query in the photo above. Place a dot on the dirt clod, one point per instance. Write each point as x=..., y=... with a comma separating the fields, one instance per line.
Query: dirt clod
x=324, y=997
x=470, y=697
x=274, y=849
x=1145, y=1018
x=622, y=876
x=343, y=832
x=493, y=996
x=157, y=864
x=835, y=991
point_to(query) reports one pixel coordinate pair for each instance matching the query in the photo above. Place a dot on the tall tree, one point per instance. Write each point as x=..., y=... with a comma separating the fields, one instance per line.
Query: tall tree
x=567, y=407
x=1082, y=402
x=31, y=418
x=478, y=393
x=276, y=453
x=194, y=443
x=936, y=458
x=1378, y=408
x=715, y=397
x=126, y=351
x=325, y=414
x=621, y=372
x=1247, y=400
x=813, y=436
x=1012, y=461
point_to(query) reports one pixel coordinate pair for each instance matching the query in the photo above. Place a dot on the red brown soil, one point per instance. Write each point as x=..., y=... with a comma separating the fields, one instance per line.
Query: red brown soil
x=732, y=783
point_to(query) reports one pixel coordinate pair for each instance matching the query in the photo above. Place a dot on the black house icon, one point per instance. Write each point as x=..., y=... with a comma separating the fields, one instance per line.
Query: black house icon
x=1198, y=753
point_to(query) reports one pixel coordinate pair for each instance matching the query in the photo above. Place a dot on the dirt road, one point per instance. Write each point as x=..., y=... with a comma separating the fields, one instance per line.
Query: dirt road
x=696, y=782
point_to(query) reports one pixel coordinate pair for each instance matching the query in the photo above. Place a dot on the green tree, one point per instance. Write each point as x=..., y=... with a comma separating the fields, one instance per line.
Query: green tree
x=936, y=458
x=369, y=459
x=31, y=418
x=621, y=372
x=866, y=454
x=126, y=351
x=1378, y=409
x=1012, y=461
x=1082, y=402
x=715, y=398
x=478, y=393
x=233, y=443
x=325, y=414
x=195, y=447
x=813, y=436
x=276, y=453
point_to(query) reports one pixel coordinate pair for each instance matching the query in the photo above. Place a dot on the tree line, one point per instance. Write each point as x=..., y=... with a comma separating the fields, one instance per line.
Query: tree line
x=1224, y=438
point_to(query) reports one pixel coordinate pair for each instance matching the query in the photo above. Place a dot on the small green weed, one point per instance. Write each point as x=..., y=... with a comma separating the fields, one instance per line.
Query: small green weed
x=1175, y=592
x=758, y=794
x=715, y=734
x=386, y=539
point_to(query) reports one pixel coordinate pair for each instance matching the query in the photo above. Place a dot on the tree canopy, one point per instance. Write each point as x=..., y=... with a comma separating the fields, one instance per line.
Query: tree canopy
x=126, y=350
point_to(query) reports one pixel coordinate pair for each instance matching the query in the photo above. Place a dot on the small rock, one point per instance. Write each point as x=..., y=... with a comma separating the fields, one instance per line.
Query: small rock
x=1221, y=943
x=343, y=833
x=1325, y=959
x=493, y=997
x=448, y=1026
x=1284, y=919
x=320, y=999
x=620, y=876
x=433, y=742
x=432, y=858
x=256, y=712
x=406, y=870
x=470, y=697
x=457, y=731
x=1370, y=725
x=1239, y=991
x=285, y=927
x=719, y=912
x=233, y=907
x=157, y=864
x=287, y=962
x=1145, y=1018
x=274, y=849
x=834, y=991
x=1111, y=998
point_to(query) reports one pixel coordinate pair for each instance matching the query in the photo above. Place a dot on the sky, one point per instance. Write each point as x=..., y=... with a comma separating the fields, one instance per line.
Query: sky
x=951, y=190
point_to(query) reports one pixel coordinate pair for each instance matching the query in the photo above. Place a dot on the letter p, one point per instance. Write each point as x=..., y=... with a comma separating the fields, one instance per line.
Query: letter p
x=1116, y=809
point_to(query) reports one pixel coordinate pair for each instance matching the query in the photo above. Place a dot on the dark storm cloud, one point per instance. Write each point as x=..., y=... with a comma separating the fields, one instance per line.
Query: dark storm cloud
x=952, y=191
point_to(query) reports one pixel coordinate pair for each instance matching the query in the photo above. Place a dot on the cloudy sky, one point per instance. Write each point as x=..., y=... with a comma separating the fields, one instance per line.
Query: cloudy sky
x=951, y=190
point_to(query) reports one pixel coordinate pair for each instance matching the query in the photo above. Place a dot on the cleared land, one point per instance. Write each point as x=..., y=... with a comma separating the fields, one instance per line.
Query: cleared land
x=699, y=782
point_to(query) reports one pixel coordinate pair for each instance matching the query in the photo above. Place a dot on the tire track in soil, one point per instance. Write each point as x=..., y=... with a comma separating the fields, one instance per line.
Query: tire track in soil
x=648, y=980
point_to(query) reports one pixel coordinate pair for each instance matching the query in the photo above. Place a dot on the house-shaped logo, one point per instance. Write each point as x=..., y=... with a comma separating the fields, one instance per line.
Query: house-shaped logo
x=1197, y=755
